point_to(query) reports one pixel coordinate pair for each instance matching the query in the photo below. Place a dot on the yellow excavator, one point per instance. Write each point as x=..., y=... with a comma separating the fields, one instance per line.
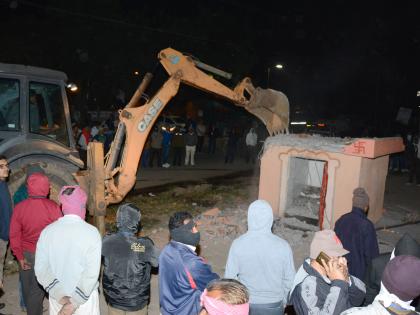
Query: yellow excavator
x=108, y=179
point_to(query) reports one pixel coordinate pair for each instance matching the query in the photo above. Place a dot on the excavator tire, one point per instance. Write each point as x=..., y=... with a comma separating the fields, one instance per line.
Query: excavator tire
x=58, y=172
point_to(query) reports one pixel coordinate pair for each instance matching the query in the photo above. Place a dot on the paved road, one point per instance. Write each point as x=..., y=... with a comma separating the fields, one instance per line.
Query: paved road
x=207, y=166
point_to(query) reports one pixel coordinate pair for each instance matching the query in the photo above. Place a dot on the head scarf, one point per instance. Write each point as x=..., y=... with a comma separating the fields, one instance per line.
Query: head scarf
x=218, y=307
x=75, y=203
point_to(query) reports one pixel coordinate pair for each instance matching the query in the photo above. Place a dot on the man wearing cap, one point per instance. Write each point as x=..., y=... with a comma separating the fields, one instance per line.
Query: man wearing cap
x=29, y=218
x=358, y=234
x=68, y=258
x=400, y=285
x=128, y=262
x=183, y=275
x=326, y=287
x=405, y=246
x=263, y=262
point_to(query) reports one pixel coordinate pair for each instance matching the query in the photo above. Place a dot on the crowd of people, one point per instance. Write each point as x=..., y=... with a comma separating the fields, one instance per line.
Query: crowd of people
x=184, y=143
x=60, y=256
x=180, y=143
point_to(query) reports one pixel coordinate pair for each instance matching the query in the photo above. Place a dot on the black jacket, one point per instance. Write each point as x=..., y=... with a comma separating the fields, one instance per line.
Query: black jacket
x=405, y=246
x=127, y=265
x=358, y=236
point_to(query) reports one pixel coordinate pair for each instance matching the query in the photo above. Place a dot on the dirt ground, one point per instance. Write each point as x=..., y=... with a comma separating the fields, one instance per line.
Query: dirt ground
x=220, y=206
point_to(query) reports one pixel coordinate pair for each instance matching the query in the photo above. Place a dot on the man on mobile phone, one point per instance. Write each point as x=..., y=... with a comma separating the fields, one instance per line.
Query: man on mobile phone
x=326, y=287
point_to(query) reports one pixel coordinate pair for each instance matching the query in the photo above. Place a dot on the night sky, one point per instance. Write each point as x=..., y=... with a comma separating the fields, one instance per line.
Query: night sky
x=341, y=59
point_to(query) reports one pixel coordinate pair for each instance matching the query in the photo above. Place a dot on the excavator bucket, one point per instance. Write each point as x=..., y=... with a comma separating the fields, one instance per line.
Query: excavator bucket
x=272, y=107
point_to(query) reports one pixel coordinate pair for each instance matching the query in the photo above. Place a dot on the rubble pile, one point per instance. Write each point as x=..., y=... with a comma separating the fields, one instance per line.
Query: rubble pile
x=231, y=223
x=306, y=203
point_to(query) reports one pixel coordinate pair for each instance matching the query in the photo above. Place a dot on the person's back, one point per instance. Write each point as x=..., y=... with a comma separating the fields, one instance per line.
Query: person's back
x=358, y=235
x=183, y=275
x=68, y=258
x=268, y=269
x=190, y=138
x=29, y=218
x=128, y=261
x=178, y=140
x=157, y=138
x=405, y=246
x=70, y=242
x=32, y=215
x=31, y=221
x=400, y=285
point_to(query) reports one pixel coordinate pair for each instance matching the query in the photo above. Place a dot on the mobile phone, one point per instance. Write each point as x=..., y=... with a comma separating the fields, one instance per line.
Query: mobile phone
x=322, y=256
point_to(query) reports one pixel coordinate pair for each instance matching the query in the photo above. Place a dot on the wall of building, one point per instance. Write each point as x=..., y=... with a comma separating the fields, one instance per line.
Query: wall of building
x=345, y=173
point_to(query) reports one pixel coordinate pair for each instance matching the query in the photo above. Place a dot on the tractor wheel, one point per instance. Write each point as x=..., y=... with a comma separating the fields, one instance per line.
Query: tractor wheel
x=59, y=173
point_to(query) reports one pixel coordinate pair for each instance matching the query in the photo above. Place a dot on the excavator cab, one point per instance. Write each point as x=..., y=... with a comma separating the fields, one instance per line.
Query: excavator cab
x=35, y=125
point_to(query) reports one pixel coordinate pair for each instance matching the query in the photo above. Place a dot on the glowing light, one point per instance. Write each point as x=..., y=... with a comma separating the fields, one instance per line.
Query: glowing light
x=72, y=87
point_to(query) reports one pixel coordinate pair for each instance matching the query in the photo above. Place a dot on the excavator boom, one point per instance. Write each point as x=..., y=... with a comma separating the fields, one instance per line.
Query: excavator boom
x=108, y=180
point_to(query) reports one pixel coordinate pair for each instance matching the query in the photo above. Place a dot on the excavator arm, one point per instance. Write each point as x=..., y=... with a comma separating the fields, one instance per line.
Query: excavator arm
x=108, y=180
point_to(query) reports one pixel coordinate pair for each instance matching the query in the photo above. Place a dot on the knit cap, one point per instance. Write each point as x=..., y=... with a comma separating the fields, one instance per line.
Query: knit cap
x=401, y=277
x=328, y=242
x=73, y=201
x=360, y=198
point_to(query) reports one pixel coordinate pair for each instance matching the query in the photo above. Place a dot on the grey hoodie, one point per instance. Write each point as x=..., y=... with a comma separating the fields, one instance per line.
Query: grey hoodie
x=262, y=261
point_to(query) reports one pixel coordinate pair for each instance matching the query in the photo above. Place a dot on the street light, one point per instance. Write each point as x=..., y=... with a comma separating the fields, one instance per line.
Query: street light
x=277, y=66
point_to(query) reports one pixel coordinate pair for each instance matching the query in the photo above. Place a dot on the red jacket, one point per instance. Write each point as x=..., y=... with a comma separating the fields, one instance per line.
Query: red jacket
x=32, y=215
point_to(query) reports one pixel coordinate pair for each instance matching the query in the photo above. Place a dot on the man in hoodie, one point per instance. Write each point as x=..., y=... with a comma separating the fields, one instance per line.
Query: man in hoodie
x=29, y=218
x=325, y=288
x=251, y=146
x=126, y=280
x=358, y=234
x=5, y=214
x=399, y=286
x=22, y=192
x=405, y=246
x=263, y=262
x=183, y=275
x=20, y=195
x=68, y=258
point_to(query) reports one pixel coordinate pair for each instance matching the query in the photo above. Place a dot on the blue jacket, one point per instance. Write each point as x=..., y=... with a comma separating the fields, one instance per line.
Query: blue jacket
x=183, y=276
x=5, y=211
x=358, y=236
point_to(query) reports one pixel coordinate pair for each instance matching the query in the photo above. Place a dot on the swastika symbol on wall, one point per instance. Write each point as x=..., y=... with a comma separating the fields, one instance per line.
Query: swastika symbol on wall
x=359, y=147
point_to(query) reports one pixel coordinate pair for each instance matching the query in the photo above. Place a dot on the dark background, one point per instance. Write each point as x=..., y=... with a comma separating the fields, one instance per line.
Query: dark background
x=342, y=59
